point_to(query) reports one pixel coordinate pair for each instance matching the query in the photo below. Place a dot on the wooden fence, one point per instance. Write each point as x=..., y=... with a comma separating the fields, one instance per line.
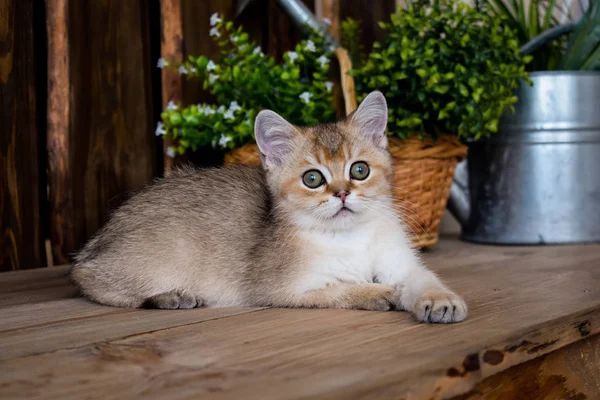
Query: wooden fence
x=80, y=96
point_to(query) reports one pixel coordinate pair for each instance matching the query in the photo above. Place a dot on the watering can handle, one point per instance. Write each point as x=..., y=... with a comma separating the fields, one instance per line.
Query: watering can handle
x=547, y=36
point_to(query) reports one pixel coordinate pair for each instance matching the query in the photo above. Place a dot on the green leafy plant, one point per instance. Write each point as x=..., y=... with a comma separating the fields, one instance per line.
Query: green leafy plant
x=244, y=81
x=444, y=67
x=532, y=17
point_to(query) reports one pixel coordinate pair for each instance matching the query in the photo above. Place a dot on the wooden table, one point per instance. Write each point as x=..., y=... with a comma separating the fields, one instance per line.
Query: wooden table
x=534, y=306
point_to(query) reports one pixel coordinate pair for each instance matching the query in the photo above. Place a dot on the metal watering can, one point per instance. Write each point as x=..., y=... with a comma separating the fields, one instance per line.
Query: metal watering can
x=538, y=180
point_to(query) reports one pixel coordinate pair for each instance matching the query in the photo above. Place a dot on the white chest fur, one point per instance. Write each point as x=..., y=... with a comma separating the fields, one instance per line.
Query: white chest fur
x=333, y=257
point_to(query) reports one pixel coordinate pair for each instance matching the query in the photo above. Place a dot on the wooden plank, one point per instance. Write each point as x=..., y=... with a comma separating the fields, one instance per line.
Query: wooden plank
x=35, y=286
x=570, y=373
x=50, y=312
x=21, y=239
x=113, y=146
x=97, y=326
x=521, y=307
x=171, y=49
x=60, y=182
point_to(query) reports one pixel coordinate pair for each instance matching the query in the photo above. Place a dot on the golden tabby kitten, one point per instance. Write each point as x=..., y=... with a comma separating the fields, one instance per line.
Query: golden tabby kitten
x=314, y=227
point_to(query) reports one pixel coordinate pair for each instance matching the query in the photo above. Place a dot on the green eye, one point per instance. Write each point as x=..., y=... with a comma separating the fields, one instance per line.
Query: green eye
x=359, y=170
x=313, y=179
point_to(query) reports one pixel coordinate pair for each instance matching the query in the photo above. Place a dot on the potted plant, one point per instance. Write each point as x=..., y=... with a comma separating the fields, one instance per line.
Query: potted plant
x=244, y=81
x=533, y=183
x=448, y=72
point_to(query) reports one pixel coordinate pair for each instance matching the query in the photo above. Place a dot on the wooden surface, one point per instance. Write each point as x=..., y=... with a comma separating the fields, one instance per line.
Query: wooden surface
x=572, y=373
x=524, y=303
x=60, y=182
x=111, y=130
x=21, y=237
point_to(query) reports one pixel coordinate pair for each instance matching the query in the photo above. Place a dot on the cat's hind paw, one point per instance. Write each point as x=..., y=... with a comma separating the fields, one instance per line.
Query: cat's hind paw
x=173, y=300
x=440, y=306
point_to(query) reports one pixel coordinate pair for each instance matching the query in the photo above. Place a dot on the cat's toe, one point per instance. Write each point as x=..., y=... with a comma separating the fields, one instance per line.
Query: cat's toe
x=441, y=307
x=173, y=300
x=379, y=304
x=187, y=301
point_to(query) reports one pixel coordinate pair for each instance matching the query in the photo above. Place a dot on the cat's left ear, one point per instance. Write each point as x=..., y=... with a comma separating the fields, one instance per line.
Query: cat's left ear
x=273, y=136
x=371, y=118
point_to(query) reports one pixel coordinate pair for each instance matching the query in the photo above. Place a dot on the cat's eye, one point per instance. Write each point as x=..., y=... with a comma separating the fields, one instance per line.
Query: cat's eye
x=313, y=179
x=359, y=170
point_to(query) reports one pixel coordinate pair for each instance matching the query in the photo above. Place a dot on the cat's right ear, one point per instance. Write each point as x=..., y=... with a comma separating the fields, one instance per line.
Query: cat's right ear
x=273, y=136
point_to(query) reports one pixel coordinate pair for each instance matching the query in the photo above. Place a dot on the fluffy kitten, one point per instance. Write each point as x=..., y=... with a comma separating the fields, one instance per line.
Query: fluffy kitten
x=314, y=227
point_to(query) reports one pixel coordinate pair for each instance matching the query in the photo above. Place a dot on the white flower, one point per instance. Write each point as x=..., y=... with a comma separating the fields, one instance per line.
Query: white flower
x=221, y=109
x=224, y=140
x=229, y=114
x=212, y=78
x=171, y=152
x=214, y=32
x=257, y=50
x=193, y=70
x=215, y=19
x=160, y=129
x=206, y=110
x=310, y=46
x=214, y=143
x=248, y=122
x=442, y=36
x=162, y=63
x=211, y=66
x=292, y=55
x=182, y=70
x=234, y=39
x=171, y=106
x=242, y=46
x=328, y=85
x=234, y=106
x=421, y=33
x=326, y=21
x=323, y=60
x=306, y=97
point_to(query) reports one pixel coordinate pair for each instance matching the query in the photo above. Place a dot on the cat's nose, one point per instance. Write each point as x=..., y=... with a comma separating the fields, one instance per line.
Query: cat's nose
x=342, y=194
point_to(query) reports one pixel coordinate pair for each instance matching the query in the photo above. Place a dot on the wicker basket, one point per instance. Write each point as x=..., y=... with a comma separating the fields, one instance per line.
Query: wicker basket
x=423, y=172
x=423, y=169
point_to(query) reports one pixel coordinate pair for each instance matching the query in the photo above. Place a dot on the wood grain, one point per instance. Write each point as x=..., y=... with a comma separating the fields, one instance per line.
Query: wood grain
x=572, y=373
x=171, y=49
x=21, y=237
x=112, y=141
x=524, y=303
x=60, y=182
x=35, y=286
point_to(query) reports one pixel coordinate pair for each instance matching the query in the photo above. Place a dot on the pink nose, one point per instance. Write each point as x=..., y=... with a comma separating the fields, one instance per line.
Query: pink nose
x=342, y=195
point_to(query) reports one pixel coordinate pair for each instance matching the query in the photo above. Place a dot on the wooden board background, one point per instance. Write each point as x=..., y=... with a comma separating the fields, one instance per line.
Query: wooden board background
x=104, y=109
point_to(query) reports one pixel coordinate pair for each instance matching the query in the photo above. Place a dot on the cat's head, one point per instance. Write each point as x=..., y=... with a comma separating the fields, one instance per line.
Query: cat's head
x=331, y=176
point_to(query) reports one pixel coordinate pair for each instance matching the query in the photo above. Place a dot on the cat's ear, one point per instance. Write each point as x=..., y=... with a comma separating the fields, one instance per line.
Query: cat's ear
x=273, y=136
x=371, y=118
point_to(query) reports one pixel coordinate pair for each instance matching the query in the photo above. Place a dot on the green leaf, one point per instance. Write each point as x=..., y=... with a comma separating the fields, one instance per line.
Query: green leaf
x=463, y=90
x=441, y=89
x=421, y=72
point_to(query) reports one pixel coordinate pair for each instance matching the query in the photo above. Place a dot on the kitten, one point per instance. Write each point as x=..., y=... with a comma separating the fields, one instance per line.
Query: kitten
x=314, y=227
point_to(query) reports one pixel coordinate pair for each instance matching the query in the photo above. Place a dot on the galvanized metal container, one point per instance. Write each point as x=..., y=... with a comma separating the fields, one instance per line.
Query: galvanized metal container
x=538, y=180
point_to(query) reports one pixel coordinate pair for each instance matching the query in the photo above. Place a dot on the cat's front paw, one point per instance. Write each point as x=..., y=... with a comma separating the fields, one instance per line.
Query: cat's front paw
x=440, y=306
